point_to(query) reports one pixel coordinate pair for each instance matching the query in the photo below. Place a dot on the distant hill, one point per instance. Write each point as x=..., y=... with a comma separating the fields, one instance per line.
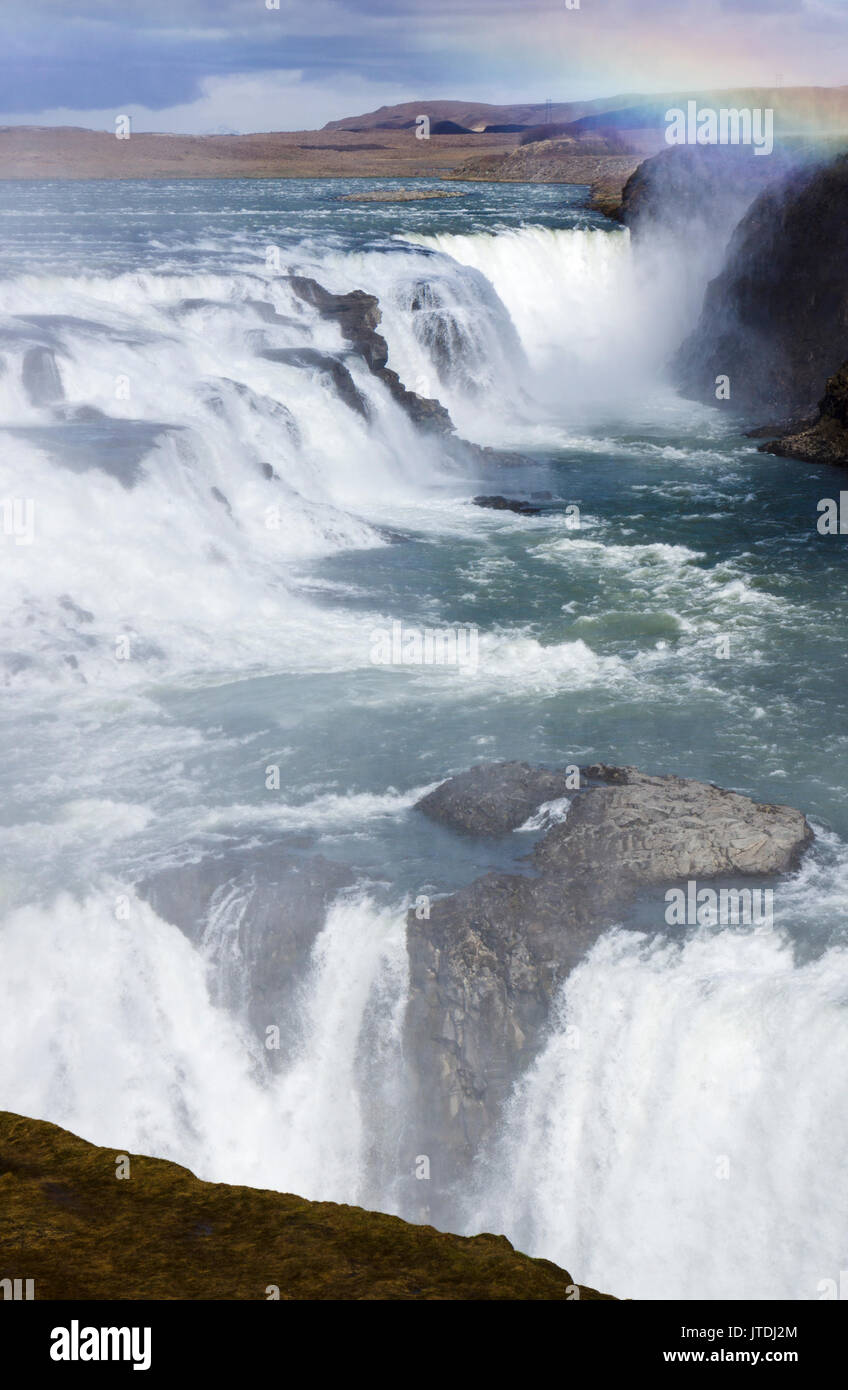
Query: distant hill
x=476, y=116
x=449, y=128
x=573, y=141
x=798, y=110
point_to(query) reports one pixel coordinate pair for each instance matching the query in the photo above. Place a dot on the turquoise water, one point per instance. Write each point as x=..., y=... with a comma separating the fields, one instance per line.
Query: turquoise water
x=688, y=535
x=189, y=224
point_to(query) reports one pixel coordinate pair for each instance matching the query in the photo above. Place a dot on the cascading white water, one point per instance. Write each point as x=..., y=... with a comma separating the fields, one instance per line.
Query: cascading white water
x=528, y=326
x=563, y=288
x=681, y=1135
x=113, y=1035
x=168, y=434
x=354, y=1002
x=179, y=473
x=590, y=314
x=613, y=1158
x=107, y=1029
x=248, y=464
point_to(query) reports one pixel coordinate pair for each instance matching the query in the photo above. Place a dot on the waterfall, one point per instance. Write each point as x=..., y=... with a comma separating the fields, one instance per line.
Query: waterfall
x=681, y=1133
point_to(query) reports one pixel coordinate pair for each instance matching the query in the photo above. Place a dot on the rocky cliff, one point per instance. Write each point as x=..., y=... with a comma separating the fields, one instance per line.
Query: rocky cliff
x=704, y=188
x=88, y=1223
x=775, y=320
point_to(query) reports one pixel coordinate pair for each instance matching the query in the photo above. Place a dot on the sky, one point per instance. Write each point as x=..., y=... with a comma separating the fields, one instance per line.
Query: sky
x=201, y=66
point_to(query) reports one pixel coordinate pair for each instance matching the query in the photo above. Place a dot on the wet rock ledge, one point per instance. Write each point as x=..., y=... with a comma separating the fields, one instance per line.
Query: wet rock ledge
x=486, y=964
x=79, y=1232
x=825, y=439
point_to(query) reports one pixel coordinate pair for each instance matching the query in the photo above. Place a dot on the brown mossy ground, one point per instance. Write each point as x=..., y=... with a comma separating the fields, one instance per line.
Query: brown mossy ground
x=68, y=1222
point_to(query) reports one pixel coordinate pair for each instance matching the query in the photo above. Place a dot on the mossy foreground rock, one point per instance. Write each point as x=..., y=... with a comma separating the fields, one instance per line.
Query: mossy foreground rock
x=80, y=1232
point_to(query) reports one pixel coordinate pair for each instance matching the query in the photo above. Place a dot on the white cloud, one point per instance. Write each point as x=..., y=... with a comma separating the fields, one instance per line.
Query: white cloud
x=242, y=102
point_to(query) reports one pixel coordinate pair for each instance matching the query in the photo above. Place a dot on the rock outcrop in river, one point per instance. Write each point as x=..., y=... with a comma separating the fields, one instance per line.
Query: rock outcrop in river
x=357, y=315
x=487, y=963
x=493, y=798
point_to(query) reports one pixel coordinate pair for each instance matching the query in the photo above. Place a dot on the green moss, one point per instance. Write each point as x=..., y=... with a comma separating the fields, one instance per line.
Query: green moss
x=68, y=1222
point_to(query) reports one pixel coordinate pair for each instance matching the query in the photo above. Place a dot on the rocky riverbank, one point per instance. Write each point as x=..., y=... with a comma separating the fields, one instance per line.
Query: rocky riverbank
x=86, y=1223
x=824, y=440
x=697, y=191
x=557, y=161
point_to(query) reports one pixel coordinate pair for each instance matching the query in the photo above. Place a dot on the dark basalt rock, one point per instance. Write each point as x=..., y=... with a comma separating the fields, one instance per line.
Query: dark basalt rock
x=492, y=798
x=486, y=965
x=425, y=411
x=357, y=315
x=499, y=503
x=269, y=314
x=687, y=186
x=775, y=320
x=824, y=440
x=504, y=458
x=640, y=829
x=341, y=379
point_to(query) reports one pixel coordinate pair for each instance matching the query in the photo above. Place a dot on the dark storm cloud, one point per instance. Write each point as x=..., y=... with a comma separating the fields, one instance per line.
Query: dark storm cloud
x=107, y=54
